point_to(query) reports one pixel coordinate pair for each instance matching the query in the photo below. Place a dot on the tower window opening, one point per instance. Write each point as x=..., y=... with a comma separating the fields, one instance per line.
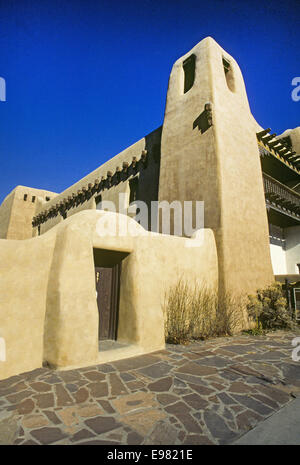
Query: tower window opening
x=226, y=66
x=189, y=72
x=33, y=199
x=25, y=197
x=228, y=74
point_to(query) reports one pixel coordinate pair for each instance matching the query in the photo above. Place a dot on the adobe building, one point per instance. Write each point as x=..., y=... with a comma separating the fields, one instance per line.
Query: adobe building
x=64, y=287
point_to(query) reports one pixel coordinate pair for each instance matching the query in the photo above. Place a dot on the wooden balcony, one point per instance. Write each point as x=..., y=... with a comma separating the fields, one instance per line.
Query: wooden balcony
x=281, y=197
x=277, y=149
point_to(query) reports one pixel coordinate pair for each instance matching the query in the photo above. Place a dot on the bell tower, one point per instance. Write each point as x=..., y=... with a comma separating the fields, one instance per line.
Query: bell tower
x=209, y=152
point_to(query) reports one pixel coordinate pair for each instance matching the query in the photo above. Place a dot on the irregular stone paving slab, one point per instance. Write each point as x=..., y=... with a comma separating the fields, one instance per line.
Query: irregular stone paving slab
x=190, y=379
x=161, y=385
x=98, y=389
x=102, y=424
x=189, y=423
x=48, y=435
x=40, y=387
x=166, y=399
x=218, y=427
x=94, y=376
x=82, y=434
x=35, y=421
x=117, y=387
x=136, y=401
x=156, y=371
x=196, y=369
x=134, y=438
x=8, y=427
x=291, y=372
x=197, y=439
x=202, y=390
x=274, y=393
x=106, y=406
x=62, y=396
x=16, y=398
x=253, y=404
x=214, y=362
x=53, y=418
x=207, y=392
x=27, y=406
x=81, y=395
x=247, y=420
x=143, y=422
x=44, y=400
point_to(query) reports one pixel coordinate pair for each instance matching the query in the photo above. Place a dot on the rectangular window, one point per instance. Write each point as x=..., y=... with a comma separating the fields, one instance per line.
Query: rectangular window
x=25, y=197
x=98, y=200
x=33, y=199
x=276, y=236
x=189, y=72
x=134, y=187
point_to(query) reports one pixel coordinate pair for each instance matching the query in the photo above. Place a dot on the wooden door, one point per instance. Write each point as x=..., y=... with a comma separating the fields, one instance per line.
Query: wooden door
x=107, y=288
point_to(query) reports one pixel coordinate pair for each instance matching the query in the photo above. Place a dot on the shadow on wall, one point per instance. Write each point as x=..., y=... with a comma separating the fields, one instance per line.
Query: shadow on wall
x=204, y=121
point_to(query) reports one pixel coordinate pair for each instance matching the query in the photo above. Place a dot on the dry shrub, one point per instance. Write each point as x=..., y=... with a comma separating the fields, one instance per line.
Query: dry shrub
x=230, y=315
x=193, y=312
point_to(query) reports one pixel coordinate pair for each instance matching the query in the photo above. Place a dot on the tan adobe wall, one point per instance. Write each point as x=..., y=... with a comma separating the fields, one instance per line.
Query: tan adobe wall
x=24, y=270
x=16, y=213
x=47, y=290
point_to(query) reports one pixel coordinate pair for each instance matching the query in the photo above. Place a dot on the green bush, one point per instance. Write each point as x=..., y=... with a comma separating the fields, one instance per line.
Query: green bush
x=269, y=309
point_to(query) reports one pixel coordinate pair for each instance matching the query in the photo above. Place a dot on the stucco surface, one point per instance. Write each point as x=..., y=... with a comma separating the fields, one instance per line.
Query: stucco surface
x=47, y=287
x=16, y=213
x=219, y=165
x=24, y=270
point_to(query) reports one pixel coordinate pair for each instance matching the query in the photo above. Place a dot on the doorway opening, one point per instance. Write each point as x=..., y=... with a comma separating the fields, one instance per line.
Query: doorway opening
x=107, y=280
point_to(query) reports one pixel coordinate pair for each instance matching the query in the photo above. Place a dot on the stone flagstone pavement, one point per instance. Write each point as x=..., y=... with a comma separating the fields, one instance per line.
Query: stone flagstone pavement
x=208, y=392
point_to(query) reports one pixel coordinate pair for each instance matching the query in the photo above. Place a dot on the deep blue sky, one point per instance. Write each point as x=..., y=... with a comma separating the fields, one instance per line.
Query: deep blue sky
x=86, y=79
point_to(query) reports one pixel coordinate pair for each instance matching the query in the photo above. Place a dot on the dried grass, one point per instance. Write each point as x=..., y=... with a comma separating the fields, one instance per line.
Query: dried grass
x=194, y=312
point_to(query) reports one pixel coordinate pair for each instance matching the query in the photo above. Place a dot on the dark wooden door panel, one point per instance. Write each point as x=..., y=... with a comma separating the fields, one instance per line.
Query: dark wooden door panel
x=107, y=283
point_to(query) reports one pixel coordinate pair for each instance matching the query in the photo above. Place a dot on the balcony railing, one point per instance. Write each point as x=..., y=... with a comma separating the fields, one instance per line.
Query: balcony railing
x=284, y=197
x=269, y=145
